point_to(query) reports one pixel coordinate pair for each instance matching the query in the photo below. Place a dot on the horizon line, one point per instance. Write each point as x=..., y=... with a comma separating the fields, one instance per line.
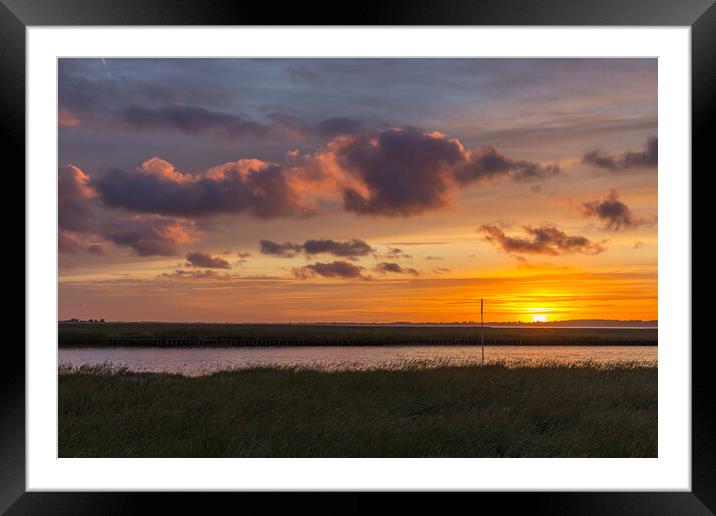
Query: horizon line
x=470, y=322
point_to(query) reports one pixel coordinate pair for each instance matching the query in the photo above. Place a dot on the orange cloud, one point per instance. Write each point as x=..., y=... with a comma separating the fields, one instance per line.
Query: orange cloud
x=73, y=197
x=164, y=170
x=151, y=235
x=66, y=118
x=245, y=185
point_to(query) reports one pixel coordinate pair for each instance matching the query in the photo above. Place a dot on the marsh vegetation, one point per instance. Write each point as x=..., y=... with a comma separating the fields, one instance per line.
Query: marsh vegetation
x=420, y=410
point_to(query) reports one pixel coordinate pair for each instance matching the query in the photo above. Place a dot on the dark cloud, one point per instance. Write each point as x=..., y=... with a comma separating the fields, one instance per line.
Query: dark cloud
x=197, y=120
x=351, y=248
x=404, y=172
x=149, y=235
x=259, y=188
x=89, y=93
x=124, y=102
x=601, y=159
x=192, y=120
x=529, y=171
x=418, y=243
x=205, y=274
x=561, y=128
x=301, y=73
x=394, y=268
x=73, y=197
x=614, y=214
x=243, y=258
x=348, y=249
x=394, y=253
x=649, y=157
x=646, y=158
x=336, y=269
x=489, y=163
x=335, y=126
x=95, y=249
x=541, y=240
x=207, y=261
x=285, y=250
x=72, y=243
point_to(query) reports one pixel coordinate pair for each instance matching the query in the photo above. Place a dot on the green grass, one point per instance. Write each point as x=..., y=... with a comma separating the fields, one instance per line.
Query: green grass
x=552, y=410
x=191, y=334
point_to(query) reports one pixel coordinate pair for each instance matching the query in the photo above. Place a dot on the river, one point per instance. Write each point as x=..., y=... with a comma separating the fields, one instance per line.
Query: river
x=198, y=361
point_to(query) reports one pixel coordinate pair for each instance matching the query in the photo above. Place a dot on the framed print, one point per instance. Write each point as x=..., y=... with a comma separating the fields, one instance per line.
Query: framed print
x=418, y=249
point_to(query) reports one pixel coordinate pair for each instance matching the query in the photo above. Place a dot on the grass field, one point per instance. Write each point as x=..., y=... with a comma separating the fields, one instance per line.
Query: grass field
x=176, y=334
x=421, y=411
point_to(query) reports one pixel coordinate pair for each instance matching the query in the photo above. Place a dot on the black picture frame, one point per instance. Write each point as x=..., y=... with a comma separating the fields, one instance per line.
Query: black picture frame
x=17, y=15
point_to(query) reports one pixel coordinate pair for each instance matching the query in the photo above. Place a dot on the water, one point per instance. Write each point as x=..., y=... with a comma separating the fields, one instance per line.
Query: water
x=197, y=361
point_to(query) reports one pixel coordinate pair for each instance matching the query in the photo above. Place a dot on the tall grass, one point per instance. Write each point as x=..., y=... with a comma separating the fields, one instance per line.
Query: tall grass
x=420, y=410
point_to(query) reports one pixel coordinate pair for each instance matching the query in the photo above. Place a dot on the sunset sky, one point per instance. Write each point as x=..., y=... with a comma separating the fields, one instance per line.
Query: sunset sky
x=357, y=190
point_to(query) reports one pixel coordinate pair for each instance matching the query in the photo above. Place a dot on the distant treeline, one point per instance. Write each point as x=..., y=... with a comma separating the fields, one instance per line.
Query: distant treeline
x=247, y=335
x=584, y=323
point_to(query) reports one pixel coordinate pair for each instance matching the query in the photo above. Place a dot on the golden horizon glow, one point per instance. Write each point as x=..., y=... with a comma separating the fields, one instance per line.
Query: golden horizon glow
x=560, y=296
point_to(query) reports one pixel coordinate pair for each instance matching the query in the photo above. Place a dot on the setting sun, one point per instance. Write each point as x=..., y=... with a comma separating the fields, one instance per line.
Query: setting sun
x=539, y=318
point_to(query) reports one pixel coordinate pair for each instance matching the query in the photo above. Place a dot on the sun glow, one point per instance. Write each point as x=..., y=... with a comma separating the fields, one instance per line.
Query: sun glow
x=539, y=318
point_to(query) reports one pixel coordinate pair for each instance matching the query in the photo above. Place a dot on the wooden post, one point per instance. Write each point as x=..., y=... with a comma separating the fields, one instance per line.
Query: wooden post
x=482, y=332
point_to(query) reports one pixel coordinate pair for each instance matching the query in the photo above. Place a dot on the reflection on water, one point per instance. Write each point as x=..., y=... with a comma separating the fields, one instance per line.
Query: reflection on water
x=196, y=361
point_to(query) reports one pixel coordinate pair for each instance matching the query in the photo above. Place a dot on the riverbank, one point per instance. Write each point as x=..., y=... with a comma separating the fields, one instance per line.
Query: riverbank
x=258, y=335
x=588, y=410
